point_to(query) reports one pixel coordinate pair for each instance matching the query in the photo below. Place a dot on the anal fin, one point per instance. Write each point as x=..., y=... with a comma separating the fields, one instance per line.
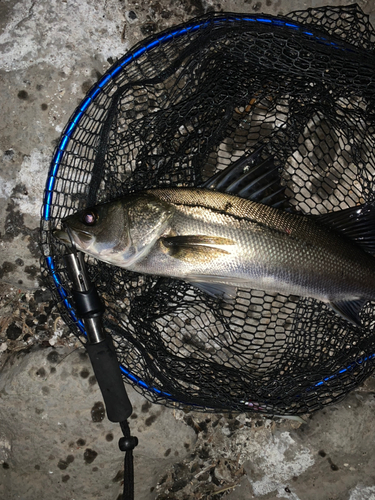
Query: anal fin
x=349, y=309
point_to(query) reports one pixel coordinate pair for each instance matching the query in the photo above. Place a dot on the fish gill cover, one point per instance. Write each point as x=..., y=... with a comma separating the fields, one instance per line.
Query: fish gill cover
x=173, y=111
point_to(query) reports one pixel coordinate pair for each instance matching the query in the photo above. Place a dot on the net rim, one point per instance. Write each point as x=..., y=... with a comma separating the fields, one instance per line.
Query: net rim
x=133, y=54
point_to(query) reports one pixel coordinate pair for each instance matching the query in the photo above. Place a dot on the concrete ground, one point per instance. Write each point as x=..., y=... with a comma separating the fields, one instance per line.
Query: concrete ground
x=55, y=441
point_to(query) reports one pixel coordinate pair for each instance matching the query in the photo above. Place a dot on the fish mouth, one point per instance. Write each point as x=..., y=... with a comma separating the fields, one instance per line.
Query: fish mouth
x=63, y=236
x=71, y=238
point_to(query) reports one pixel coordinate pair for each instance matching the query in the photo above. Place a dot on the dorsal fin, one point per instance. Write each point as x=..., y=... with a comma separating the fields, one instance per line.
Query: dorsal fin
x=356, y=223
x=250, y=177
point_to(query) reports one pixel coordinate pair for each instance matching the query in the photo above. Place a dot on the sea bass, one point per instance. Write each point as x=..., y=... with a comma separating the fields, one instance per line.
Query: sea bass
x=218, y=240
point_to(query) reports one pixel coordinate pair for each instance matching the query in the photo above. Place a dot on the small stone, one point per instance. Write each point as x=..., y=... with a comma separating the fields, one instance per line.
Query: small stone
x=89, y=455
x=53, y=357
x=13, y=332
x=98, y=412
x=42, y=296
x=23, y=95
x=8, y=155
x=85, y=373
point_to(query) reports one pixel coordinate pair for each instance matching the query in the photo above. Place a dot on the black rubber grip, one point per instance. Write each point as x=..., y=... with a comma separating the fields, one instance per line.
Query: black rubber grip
x=107, y=372
x=88, y=304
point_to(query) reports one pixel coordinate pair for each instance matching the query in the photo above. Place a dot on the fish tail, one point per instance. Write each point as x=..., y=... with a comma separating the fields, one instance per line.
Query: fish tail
x=358, y=224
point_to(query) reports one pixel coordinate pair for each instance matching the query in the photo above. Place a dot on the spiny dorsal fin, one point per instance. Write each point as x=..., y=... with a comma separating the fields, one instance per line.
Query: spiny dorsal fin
x=250, y=177
x=356, y=223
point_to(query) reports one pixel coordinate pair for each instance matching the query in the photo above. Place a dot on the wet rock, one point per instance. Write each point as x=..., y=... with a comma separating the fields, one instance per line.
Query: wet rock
x=42, y=295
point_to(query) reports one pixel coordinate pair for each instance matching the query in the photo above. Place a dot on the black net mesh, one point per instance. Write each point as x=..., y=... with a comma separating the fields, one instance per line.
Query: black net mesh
x=173, y=111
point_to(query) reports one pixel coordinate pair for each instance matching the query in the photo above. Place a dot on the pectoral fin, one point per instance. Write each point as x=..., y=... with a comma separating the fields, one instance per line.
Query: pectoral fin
x=196, y=248
x=349, y=309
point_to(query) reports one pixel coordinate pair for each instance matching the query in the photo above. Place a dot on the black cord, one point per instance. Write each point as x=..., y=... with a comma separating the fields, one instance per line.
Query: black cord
x=127, y=444
x=104, y=360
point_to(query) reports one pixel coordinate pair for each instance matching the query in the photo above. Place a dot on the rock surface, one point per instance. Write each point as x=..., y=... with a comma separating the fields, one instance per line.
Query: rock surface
x=55, y=439
x=56, y=442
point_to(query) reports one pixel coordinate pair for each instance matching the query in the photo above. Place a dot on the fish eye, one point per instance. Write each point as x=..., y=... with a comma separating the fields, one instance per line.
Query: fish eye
x=89, y=217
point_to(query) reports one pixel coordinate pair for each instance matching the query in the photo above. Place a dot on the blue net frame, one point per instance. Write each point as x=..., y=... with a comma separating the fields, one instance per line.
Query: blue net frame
x=85, y=169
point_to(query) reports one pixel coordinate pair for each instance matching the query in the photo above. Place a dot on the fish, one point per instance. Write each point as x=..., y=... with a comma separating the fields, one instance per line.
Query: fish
x=236, y=230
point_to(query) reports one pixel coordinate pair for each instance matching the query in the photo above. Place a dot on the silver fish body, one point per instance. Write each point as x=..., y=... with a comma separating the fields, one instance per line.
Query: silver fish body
x=218, y=241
